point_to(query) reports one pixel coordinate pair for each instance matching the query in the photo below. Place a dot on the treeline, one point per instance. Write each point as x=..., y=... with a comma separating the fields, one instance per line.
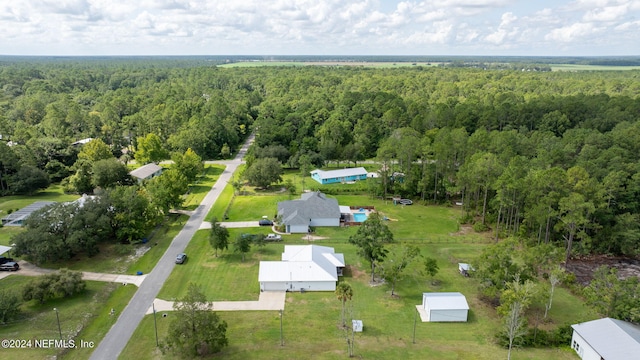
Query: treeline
x=547, y=155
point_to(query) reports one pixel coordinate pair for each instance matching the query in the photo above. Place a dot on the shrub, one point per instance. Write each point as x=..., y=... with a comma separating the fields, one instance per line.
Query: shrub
x=480, y=227
x=9, y=306
x=64, y=283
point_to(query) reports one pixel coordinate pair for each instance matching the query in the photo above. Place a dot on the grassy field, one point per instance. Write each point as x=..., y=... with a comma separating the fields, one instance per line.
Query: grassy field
x=199, y=190
x=574, y=67
x=380, y=64
x=88, y=314
x=16, y=202
x=311, y=319
x=218, y=209
x=82, y=317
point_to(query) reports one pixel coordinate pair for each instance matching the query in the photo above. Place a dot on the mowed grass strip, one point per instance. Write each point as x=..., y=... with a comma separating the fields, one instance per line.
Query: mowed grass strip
x=199, y=190
x=223, y=278
x=220, y=206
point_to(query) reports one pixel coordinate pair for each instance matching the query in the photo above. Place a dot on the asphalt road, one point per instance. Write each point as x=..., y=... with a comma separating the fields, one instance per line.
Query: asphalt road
x=116, y=339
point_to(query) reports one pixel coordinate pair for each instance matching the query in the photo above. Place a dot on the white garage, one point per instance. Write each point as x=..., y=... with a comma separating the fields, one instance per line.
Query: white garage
x=303, y=268
x=444, y=307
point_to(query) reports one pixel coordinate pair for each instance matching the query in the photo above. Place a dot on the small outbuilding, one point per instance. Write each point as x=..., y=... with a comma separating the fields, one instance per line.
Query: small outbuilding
x=606, y=339
x=444, y=307
x=146, y=172
x=465, y=269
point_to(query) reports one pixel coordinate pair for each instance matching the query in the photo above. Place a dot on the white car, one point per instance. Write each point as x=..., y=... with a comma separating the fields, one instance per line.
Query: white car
x=273, y=237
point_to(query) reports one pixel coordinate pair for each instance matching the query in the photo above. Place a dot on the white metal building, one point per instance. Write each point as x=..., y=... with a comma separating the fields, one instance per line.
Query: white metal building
x=303, y=268
x=146, y=172
x=607, y=339
x=445, y=307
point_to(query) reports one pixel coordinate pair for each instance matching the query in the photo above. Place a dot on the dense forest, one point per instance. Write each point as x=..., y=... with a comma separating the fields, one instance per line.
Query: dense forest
x=549, y=156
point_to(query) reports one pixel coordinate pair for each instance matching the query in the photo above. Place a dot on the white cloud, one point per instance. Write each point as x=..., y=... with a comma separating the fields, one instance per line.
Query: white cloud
x=609, y=13
x=572, y=32
x=321, y=26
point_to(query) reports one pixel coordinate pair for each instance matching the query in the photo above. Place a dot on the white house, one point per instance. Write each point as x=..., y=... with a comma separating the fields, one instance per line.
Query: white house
x=444, y=307
x=312, y=209
x=607, y=339
x=303, y=268
x=146, y=172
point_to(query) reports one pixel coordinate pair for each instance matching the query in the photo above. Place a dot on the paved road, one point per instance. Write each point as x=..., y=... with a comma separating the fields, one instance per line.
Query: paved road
x=120, y=333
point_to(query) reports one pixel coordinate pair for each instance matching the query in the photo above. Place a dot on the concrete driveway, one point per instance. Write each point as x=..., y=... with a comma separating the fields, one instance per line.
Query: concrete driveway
x=268, y=300
x=28, y=269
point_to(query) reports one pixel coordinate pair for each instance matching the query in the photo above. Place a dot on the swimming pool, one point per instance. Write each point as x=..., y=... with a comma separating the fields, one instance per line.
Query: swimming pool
x=359, y=217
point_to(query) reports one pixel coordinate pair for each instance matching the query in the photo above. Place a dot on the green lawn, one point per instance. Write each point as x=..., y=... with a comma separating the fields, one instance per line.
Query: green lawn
x=16, y=202
x=311, y=319
x=576, y=67
x=199, y=190
x=218, y=209
x=82, y=317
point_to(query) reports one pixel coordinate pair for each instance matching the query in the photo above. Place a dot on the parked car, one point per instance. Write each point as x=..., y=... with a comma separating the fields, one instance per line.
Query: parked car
x=181, y=258
x=265, y=222
x=4, y=260
x=273, y=237
x=10, y=266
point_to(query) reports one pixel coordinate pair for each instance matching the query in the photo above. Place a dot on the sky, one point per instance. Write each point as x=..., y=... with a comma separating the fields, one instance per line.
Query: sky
x=320, y=27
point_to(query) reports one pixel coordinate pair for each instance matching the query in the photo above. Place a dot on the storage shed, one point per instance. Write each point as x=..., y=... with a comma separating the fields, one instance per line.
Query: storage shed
x=146, y=172
x=444, y=307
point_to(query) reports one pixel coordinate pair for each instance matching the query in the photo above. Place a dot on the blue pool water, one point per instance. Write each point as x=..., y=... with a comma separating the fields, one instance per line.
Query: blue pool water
x=359, y=217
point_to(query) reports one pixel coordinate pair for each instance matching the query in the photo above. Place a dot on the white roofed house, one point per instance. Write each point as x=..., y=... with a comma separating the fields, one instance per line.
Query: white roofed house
x=146, y=172
x=303, y=268
x=608, y=339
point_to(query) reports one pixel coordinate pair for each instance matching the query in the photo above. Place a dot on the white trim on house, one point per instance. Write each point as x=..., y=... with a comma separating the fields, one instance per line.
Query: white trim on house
x=303, y=267
x=606, y=339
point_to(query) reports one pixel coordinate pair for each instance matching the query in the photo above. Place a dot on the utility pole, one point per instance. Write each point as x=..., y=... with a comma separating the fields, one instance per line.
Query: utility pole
x=155, y=324
x=281, y=338
x=415, y=319
x=58, y=317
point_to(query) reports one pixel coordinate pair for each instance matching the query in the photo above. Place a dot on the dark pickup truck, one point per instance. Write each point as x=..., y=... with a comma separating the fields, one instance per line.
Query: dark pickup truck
x=4, y=260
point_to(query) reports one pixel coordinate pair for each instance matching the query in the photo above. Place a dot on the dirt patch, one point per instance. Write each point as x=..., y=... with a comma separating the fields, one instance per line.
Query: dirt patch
x=465, y=229
x=355, y=272
x=313, y=238
x=583, y=268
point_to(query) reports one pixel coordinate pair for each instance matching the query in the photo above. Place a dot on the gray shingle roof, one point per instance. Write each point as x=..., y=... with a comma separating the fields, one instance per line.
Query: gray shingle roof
x=611, y=338
x=311, y=205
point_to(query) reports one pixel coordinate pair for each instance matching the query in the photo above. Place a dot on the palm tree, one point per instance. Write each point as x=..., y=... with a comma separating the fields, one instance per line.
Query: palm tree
x=344, y=292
